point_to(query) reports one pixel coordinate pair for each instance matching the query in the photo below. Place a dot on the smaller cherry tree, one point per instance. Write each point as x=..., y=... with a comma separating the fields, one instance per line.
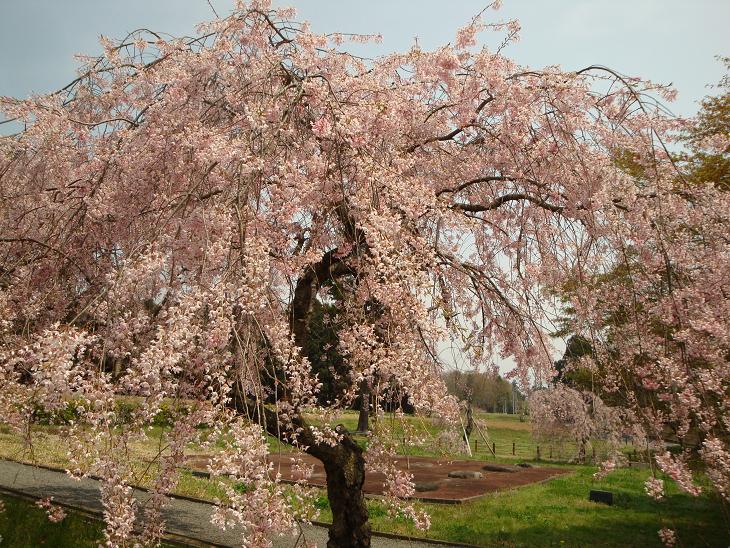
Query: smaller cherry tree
x=572, y=419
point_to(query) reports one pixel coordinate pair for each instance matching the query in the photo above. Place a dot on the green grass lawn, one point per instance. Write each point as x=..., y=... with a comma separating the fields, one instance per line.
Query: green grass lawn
x=557, y=513
x=554, y=513
x=22, y=525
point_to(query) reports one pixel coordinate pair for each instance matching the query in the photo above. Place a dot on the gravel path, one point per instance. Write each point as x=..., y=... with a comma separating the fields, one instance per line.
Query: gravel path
x=183, y=517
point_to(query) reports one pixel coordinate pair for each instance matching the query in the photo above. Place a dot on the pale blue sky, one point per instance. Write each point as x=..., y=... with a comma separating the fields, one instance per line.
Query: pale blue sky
x=664, y=40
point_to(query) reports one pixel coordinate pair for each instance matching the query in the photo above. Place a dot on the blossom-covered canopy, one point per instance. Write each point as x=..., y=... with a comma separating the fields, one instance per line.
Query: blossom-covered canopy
x=168, y=219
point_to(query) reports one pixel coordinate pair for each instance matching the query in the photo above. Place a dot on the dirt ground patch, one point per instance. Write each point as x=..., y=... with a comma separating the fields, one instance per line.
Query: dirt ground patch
x=430, y=475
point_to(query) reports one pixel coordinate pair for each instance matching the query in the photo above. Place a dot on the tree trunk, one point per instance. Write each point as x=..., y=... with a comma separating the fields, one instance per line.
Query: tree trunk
x=469, y=420
x=582, y=451
x=344, y=464
x=362, y=420
x=345, y=468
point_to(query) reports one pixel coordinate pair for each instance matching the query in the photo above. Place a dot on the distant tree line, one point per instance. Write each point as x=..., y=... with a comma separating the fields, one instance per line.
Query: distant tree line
x=487, y=391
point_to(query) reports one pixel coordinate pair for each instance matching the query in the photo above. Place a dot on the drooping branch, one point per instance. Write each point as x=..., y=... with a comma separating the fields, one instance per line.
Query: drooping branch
x=448, y=137
x=329, y=267
x=53, y=249
x=505, y=198
x=471, y=182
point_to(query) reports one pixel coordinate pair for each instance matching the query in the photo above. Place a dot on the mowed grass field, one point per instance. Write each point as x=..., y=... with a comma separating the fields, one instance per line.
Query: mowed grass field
x=558, y=513
x=510, y=437
x=554, y=513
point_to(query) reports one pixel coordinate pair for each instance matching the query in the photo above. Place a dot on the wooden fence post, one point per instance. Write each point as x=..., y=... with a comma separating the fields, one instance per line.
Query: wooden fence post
x=538, y=452
x=513, y=448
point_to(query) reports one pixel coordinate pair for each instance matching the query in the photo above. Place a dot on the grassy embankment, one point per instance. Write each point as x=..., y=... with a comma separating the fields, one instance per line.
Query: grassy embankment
x=22, y=525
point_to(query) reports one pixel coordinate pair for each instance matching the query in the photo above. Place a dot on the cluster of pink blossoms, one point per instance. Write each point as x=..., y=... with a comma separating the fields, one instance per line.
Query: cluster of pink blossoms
x=55, y=512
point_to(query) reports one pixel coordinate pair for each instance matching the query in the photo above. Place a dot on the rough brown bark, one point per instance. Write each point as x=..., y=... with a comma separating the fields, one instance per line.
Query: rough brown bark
x=345, y=467
x=582, y=450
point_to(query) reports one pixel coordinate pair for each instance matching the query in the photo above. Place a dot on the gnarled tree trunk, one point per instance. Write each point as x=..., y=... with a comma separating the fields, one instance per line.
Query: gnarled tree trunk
x=344, y=463
x=345, y=468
